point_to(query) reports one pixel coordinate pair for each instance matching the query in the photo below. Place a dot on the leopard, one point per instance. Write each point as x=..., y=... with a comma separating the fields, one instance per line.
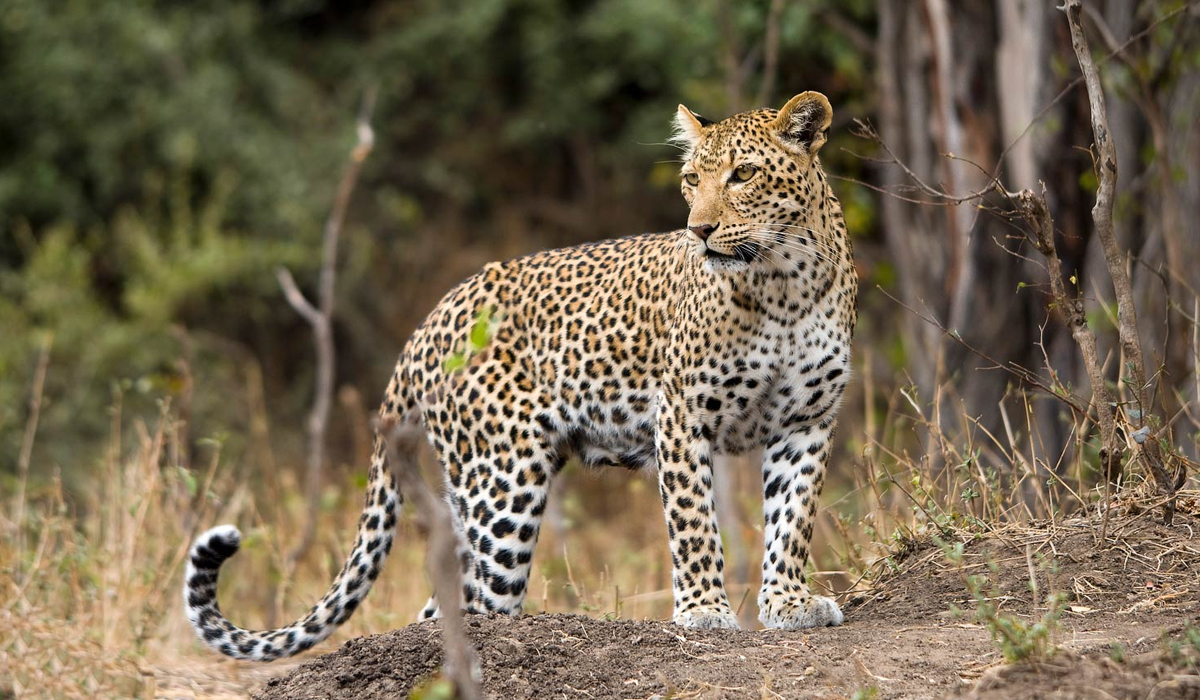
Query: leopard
x=655, y=352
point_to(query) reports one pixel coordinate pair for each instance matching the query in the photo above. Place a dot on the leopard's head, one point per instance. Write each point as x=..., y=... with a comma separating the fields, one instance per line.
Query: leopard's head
x=754, y=182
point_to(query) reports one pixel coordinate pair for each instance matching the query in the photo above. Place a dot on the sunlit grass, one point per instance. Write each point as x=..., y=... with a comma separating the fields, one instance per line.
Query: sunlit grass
x=90, y=586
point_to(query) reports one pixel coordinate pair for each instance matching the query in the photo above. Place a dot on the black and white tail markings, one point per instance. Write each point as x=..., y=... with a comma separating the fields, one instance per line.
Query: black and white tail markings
x=376, y=531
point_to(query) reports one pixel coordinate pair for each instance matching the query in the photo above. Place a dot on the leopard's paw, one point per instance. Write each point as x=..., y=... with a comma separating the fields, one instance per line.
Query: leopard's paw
x=795, y=612
x=710, y=617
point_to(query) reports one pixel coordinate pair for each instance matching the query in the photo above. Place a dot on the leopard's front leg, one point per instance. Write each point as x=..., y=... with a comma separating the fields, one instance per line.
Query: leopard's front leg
x=793, y=472
x=686, y=484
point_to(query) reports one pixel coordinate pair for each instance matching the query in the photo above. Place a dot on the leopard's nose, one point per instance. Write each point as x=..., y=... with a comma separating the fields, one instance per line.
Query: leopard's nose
x=703, y=230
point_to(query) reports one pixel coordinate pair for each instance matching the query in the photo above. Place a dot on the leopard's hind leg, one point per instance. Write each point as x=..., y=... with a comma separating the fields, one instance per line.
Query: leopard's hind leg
x=499, y=464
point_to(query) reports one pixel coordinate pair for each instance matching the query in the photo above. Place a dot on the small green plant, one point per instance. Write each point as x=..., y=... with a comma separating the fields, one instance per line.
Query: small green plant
x=1183, y=651
x=1172, y=650
x=1017, y=639
x=1116, y=652
x=869, y=693
x=1192, y=634
x=437, y=687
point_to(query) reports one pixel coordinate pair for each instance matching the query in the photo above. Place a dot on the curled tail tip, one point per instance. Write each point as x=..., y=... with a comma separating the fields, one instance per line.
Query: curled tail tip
x=228, y=533
x=214, y=546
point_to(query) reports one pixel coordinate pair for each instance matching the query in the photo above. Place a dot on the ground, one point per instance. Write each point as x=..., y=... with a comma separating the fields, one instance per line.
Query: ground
x=1132, y=585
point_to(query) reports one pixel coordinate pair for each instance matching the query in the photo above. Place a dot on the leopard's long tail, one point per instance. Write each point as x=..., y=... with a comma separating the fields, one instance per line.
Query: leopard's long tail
x=376, y=529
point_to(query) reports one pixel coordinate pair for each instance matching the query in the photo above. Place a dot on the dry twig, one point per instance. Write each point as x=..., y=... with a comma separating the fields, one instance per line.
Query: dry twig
x=35, y=412
x=461, y=664
x=320, y=317
x=1127, y=327
x=766, y=89
x=1037, y=215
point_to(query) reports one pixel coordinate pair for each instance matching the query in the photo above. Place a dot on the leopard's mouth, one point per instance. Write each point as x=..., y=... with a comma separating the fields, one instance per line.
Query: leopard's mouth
x=743, y=252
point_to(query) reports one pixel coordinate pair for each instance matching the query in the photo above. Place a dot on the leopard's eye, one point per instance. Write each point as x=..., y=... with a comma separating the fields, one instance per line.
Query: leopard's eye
x=691, y=178
x=743, y=173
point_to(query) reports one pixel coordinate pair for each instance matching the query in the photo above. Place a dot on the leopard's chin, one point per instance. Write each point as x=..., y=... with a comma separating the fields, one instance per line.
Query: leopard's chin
x=738, y=258
x=724, y=264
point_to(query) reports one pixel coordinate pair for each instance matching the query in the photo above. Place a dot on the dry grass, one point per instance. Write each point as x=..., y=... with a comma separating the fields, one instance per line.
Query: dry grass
x=89, y=587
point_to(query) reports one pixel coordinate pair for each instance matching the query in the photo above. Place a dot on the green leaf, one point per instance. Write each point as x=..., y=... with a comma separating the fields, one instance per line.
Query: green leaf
x=454, y=363
x=481, y=332
x=189, y=481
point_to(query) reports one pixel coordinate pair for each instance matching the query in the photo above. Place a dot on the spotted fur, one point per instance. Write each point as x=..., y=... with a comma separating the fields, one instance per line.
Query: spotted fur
x=654, y=351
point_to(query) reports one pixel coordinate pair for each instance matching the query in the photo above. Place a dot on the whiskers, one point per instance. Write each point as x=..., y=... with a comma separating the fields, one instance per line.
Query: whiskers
x=806, y=248
x=784, y=245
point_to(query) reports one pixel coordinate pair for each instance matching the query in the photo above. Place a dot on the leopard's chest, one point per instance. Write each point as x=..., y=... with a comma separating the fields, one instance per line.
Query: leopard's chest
x=748, y=356
x=780, y=378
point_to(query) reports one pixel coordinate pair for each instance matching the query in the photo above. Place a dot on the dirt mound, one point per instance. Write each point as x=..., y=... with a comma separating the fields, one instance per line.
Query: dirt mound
x=1148, y=676
x=539, y=656
x=899, y=641
x=1137, y=564
x=570, y=656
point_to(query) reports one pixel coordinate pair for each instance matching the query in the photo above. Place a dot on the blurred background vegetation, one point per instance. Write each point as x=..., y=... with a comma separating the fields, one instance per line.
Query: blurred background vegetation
x=159, y=160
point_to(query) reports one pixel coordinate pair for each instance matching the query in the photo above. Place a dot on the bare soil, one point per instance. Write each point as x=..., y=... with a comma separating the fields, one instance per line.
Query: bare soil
x=1136, y=588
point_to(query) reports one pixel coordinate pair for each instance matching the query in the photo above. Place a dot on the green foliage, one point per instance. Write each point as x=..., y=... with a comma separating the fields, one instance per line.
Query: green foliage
x=1182, y=650
x=159, y=160
x=1191, y=633
x=101, y=95
x=437, y=687
x=1017, y=639
x=180, y=272
x=1116, y=652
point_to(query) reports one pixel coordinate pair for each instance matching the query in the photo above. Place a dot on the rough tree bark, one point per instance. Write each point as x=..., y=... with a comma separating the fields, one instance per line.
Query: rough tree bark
x=1114, y=255
x=936, y=64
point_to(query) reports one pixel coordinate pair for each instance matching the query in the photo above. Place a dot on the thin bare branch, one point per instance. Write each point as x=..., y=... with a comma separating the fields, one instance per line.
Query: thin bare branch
x=1114, y=256
x=460, y=663
x=26, y=454
x=320, y=318
x=1037, y=215
x=295, y=297
x=1017, y=371
x=1080, y=80
x=731, y=64
x=866, y=131
x=862, y=41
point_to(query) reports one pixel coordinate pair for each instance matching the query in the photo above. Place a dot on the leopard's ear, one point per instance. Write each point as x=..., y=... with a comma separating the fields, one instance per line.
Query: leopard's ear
x=688, y=127
x=803, y=123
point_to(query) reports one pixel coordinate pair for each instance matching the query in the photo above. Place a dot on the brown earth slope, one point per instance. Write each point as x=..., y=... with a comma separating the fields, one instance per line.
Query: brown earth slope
x=900, y=639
